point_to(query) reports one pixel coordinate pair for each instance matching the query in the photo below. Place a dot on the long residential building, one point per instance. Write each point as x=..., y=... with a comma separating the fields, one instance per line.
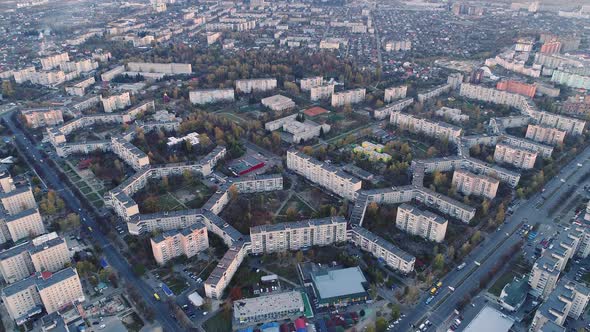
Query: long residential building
x=297, y=235
x=474, y=184
x=47, y=252
x=520, y=88
x=225, y=270
x=525, y=143
x=188, y=242
x=41, y=117
x=348, y=97
x=423, y=223
x=569, y=299
x=398, y=105
x=208, y=96
x=394, y=93
x=434, y=129
x=115, y=102
x=256, y=85
x=325, y=175
x=545, y=134
x=381, y=249
x=516, y=156
x=43, y=290
x=131, y=154
x=164, y=68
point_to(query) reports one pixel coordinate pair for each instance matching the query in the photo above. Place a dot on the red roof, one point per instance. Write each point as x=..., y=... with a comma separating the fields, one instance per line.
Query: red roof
x=46, y=275
x=316, y=110
x=299, y=323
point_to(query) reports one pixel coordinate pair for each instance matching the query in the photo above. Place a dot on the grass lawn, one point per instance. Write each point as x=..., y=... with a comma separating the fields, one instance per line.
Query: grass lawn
x=93, y=197
x=288, y=272
x=497, y=287
x=177, y=285
x=85, y=190
x=303, y=210
x=220, y=322
x=586, y=278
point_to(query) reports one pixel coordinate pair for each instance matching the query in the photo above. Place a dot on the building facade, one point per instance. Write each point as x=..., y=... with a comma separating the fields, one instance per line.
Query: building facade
x=423, y=223
x=473, y=184
x=516, y=156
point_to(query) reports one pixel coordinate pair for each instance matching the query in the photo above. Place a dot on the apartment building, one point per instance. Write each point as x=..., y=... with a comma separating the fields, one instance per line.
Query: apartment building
x=22, y=224
x=569, y=299
x=208, y=96
x=434, y=129
x=17, y=200
x=297, y=235
x=491, y=95
x=115, y=102
x=545, y=134
x=224, y=271
x=542, y=149
x=516, y=156
x=44, y=290
x=259, y=183
x=82, y=66
x=256, y=85
x=51, y=78
x=307, y=83
x=444, y=204
x=47, y=252
x=348, y=97
x=571, y=78
x=479, y=167
x=397, y=45
x=434, y=92
x=416, y=221
x=188, y=242
x=385, y=112
x=381, y=249
x=110, y=74
x=54, y=61
x=164, y=68
x=521, y=88
x=130, y=154
x=79, y=88
x=325, y=175
x=278, y=103
x=42, y=117
x=321, y=92
x=570, y=125
x=394, y=93
x=474, y=184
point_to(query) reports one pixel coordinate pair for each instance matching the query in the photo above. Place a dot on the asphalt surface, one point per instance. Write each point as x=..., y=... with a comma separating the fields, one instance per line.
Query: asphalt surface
x=112, y=255
x=531, y=211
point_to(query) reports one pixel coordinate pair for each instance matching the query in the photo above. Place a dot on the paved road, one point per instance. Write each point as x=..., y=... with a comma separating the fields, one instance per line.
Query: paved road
x=496, y=245
x=114, y=257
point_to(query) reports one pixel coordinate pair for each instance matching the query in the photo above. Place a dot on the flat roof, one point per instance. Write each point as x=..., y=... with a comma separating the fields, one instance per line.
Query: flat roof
x=339, y=283
x=489, y=320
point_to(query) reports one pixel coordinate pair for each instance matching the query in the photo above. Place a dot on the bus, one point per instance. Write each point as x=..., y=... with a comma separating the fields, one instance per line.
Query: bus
x=156, y=296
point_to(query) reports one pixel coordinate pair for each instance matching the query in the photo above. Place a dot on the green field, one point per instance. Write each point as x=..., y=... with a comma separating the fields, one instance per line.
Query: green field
x=220, y=322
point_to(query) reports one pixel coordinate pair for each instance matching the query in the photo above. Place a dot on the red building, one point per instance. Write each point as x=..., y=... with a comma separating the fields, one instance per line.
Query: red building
x=520, y=88
x=551, y=47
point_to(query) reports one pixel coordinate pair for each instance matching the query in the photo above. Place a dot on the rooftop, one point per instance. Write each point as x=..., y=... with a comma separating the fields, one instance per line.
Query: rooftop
x=339, y=283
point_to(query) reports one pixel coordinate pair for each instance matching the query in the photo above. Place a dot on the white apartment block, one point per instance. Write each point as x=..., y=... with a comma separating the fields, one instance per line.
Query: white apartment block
x=164, y=68
x=188, y=242
x=378, y=247
x=297, y=235
x=571, y=79
x=385, y=112
x=321, y=92
x=44, y=290
x=398, y=45
x=544, y=134
x=327, y=176
x=278, y=103
x=259, y=183
x=110, y=74
x=54, y=61
x=569, y=299
x=82, y=66
x=256, y=85
x=131, y=154
x=22, y=224
x=224, y=271
x=23, y=75
x=41, y=117
x=51, y=78
x=474, y=184
x=542, y=149
x=17, y=200
x=570, y=125
x=453, y=114
x=434, y=92
x=413, y=220
x=47, y=252
x=79, y=88
x=307, y=83
x=516, y=156
x=348, y=97
x=396, y=92
x=208, y=96
x=115, y=102
x=434, y=129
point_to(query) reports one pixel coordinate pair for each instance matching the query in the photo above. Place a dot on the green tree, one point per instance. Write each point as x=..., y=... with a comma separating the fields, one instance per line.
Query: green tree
x=439, y=262
x=380, y=324
x=395, y=311
x=7, y=89
x=500, y=214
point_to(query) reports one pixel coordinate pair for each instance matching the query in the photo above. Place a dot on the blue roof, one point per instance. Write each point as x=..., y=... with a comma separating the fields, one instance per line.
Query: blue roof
x=103, y=263
x=167, y=290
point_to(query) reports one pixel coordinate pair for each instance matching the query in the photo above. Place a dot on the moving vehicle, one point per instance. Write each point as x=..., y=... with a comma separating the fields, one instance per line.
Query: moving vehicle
x=461, y=266
x=157, y=297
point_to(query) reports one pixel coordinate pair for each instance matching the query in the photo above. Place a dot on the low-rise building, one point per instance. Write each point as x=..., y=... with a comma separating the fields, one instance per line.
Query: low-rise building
x=373, y=151
x=188, y=242
x=268, y=308
x=278, y=103
x=299, y=130
x=453, y=114
x=474, y=184
x=341, y=287
x=516, y=156
x=423, y=223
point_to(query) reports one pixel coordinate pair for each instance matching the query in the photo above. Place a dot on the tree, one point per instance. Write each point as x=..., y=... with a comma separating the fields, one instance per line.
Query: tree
x=500, y=214
x=233, y=192
x=299, y=256
x=7, y=89
x=438, y=262
x=380, y=324
x=395, y=311
x=476, y=237
x=291, y=214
